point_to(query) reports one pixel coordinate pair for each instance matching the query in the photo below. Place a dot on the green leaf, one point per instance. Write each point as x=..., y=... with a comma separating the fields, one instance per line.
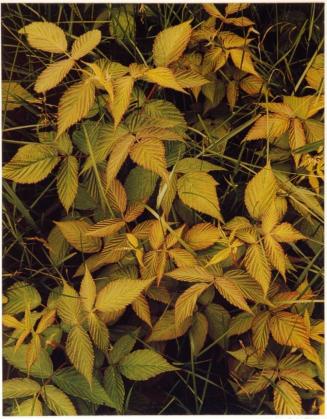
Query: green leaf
x=140, y=184
x=144, y=364
x=198, y=191
x=164, y=114
x=80, y=351
x=120, y=293
x=75, y=384
x=114, y=385
x=31, y=164
x=122, y=24
x=42, y=367
x=67, y=181
x=198, y=332
x=218, y=323
x=57, y=401
x=19, y=387
x=19, y=295
x=122, y=347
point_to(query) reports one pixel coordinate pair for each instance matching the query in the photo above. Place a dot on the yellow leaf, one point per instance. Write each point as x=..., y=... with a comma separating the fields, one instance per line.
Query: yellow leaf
x=33, y=351
x=214, y=59
x=231, y=292
x=14, y=95
x=270, y=127
x=188, y=79
x=258, y=382
x=118, y=155
x=75, y=232
x=11, y=322
x=67, y=181
x=279, y=108
x=85, y=44
x=98, y=331
x=198, y=191
x=275, y=253
x=103, y=81
x=120, y=293
x=212, y=10
x=170, y=44
x=257, y=265
x=69, y=306
x=174, y=236
x=87, y=291
x=182, y=258
x=260, y=331
x=132, y=240
x=167, y=194
x=45, y=36
x=201, y=236
x=286, y=233
x=286, y=399
x=242, y=60
x=150, y=154
x=134, y=210
x=240, y=21
x=220, y=256
x=253, y=85
x=231, y=41
x=122, y=95
x=315, y=74
x=163, y=77
x=46, y=320
x=57, y=401
x=186, y=302
x=142, y=309
x=53, y=75
x=300, y=379
x=260, y=192
x=154, y=265
x=117, y=196
x=306, y=106
x=75, y=104
x=31, y=164
x=157, y=234
x=232, y=8
x=80, y=351
x=191, y=274
x=105, y=227
x=296, y=138
x=272, y=217
x=165, y=328
x=289, y=329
